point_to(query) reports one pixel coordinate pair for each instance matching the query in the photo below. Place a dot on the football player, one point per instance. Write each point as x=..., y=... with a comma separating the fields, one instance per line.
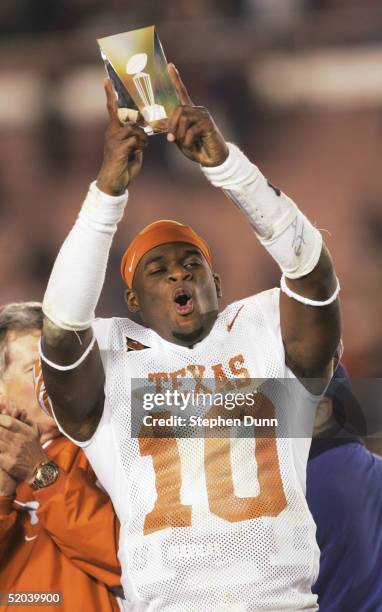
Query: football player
x=206, y=524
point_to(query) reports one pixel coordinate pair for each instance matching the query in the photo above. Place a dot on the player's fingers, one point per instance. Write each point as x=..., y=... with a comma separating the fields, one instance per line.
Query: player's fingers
x=193, y=134
x=183, y=125
x=111, y=102
x=180, y=87
x=176, y=117
x=131, y=145
x=135, y=161
x=132, y=130
x=173, y=123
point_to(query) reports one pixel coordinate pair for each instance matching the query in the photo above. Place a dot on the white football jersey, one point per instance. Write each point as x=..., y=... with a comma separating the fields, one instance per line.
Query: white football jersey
x=207, y=525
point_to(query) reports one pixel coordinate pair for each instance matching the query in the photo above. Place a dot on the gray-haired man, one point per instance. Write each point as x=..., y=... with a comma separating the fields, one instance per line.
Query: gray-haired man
x=58, y=530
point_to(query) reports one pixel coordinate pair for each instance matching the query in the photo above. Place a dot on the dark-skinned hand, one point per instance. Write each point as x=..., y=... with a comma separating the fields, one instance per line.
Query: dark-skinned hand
x=193, y=129
x=123, y=149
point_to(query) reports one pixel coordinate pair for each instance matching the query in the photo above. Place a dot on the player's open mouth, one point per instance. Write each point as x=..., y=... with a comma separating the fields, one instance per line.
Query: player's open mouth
x=183, y=302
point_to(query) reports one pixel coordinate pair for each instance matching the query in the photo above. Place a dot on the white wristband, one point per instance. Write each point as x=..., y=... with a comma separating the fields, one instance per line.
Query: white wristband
x=280, y=226
x=72, y=366
x=308, y=302
x=78, y=274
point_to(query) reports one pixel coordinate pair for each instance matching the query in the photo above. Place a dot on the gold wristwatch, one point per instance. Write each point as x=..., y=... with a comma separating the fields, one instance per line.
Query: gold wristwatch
x=45, y=474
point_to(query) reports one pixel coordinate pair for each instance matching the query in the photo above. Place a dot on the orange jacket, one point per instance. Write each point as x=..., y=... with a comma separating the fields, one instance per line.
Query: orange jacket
x=69, y=544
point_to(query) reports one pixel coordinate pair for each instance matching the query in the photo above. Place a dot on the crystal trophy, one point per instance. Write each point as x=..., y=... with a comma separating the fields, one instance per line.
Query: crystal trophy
x=137, y=67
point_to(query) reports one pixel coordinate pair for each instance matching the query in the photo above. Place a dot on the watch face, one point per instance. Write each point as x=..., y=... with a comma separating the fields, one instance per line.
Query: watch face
x=46, y=474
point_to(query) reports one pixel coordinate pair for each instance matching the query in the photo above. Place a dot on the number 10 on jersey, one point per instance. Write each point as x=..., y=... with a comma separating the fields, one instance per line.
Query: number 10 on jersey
x=169, y=511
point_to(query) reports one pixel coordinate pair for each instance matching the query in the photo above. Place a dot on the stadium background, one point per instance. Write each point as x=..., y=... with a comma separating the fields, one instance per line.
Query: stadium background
x=297, y=83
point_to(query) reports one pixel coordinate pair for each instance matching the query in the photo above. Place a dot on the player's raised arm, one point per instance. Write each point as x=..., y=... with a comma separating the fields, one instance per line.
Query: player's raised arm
x=71, y=362
x=309, y=306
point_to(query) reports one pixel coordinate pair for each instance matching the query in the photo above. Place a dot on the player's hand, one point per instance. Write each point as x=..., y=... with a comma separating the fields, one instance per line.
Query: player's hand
x=123, y=150
x=20, y=448
x=193, y=129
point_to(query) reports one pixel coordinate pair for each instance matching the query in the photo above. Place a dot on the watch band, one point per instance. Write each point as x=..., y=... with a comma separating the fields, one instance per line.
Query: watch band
x=45, y=474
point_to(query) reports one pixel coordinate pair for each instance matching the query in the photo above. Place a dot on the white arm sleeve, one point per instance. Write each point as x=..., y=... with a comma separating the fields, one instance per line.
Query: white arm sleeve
x=78, y=274
x=280, y=226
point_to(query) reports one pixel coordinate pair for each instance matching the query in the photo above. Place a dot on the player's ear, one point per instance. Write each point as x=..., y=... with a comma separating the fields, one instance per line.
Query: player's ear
x=324, y=413
x=218, y=284
x=131, y=300
x=338, y=355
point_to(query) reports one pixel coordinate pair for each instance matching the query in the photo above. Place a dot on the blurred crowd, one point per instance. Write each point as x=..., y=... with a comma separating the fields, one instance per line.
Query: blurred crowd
x=29, y=17
x=290, y=80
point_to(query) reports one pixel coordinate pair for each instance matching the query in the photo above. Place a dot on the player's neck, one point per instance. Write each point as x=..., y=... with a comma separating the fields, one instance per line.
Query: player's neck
x=188, y=340
x=192, y=338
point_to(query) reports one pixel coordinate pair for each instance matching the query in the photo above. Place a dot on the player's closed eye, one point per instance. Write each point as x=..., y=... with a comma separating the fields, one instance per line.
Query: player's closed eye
x=156, y=271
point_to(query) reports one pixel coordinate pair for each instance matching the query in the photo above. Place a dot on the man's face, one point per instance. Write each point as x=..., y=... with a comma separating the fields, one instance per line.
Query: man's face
x=176, y=293
x=17, y=383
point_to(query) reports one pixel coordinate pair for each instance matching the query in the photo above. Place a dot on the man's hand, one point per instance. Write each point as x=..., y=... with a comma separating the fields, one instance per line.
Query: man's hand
x=20, y=448
x=193, y=129
x=123, y=151
x=7, y=484
x=10, y=408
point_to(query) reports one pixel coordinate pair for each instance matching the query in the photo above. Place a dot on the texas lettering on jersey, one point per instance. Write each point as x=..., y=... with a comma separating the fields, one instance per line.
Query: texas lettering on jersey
x=222, y=375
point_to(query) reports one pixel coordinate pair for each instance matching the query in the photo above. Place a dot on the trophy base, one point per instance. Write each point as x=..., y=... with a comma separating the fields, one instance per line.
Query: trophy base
x=153, y=112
